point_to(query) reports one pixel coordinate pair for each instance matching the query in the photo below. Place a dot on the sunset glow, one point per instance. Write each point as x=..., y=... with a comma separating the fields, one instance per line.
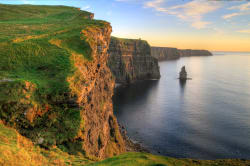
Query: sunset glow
x=194, y=24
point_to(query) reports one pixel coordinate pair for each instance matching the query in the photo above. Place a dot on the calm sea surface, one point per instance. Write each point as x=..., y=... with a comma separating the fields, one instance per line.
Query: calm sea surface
x=206, y=118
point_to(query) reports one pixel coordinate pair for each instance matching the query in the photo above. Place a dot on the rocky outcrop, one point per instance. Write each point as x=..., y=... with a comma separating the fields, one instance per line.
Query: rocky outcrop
x=183, y=74
x=101, y=136
x=165, y=53
x=131, y=60
x=189, y=52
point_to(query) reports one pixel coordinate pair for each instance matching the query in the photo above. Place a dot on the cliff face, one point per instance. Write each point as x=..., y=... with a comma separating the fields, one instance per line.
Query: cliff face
x=165, y=53
x=101, y=136
x=189, y=52
x=57, y=89
x=131, y=60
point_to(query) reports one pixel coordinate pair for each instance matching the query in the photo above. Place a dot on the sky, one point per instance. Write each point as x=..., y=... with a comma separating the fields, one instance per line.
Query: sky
x=216, y=25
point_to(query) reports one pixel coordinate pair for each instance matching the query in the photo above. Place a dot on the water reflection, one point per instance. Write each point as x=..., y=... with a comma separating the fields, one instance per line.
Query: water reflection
x=126, y=94
x=182, y=85
x=206, y=118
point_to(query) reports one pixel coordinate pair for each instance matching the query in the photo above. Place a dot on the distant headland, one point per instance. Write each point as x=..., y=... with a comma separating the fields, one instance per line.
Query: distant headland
x=169, y=53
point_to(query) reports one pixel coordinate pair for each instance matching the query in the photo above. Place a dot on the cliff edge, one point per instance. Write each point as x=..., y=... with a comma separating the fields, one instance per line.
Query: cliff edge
x=165, y=53
x=189, y=52
x=55, y=86
x=131, y=60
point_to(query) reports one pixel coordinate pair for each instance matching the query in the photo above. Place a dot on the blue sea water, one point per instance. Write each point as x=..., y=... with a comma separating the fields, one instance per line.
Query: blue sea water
x=208, y=117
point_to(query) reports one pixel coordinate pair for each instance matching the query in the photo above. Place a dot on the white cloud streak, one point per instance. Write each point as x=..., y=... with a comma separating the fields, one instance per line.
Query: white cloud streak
x=85, y=7
x=191, y=12
x=243, y=9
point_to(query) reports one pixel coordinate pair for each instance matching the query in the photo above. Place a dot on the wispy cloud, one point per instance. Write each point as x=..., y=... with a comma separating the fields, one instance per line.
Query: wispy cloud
x=243, y=9
x=85, y=7
x=227, y=16
x=192, y=12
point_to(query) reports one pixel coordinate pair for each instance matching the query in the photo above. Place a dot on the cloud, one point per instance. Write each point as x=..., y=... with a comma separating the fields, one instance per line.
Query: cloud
x=244, y=31
x=191, y=12
x=27, y=2
x=85, y=7
x=243, y=9
x=230, y=15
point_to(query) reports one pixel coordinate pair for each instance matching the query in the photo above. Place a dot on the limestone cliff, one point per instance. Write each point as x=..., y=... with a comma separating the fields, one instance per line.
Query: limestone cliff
x=55, y=86
x=101, y=136
x=168, y=53
x=131, y=60
x=165, y=53
x=189, y=52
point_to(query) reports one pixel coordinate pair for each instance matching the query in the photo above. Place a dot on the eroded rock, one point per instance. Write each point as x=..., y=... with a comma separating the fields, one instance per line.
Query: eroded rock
x=131, y=60
x=183, y=74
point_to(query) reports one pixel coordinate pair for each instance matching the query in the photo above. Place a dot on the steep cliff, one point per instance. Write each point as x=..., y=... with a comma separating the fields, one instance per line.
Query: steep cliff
x=165, y=53
x=55, y=86
x=131, y=60
x=189, y=52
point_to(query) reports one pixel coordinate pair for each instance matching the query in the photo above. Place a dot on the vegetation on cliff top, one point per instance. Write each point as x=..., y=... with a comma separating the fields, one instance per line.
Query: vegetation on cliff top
x=125, y=41
x=36, y=47
x=37, y=67
x=145, y=159
x=17, y=150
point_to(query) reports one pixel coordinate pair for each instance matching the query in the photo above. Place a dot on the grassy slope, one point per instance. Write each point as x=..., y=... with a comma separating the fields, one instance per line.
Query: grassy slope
x=25, y=48
x=36, y=47
x=38, y=69
x=17, y=150
x=144, y=159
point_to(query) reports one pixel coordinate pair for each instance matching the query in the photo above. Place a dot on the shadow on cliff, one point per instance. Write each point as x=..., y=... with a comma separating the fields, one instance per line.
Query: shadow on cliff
x=137, y=92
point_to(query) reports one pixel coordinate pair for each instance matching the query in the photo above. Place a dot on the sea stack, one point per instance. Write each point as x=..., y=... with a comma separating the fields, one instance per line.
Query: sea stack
x=183, y=73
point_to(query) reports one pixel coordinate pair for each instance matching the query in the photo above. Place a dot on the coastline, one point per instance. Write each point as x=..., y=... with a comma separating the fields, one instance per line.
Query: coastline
x=130, y=145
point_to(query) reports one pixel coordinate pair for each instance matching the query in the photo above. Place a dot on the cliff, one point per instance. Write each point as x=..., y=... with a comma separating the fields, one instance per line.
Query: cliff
x=131, y=60
x=55, y=86
x=167, y=53
x=56, y=89
x=189, y=52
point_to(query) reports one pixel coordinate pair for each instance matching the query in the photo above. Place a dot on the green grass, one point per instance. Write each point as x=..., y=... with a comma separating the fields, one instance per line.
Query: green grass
x=26, y=51
x=145, y=159
x=18, y=150
x=36, y=48
x=125, y=41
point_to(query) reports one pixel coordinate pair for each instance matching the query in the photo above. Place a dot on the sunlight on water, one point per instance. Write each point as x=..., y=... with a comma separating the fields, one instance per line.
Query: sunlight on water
x=206, y=118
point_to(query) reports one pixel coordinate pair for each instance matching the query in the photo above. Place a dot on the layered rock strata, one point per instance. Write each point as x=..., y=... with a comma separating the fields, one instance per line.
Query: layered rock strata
x=131, y=60
x=165, y=53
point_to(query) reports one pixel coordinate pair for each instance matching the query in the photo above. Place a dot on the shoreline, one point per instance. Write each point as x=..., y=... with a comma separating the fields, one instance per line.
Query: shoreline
x=131, y=146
